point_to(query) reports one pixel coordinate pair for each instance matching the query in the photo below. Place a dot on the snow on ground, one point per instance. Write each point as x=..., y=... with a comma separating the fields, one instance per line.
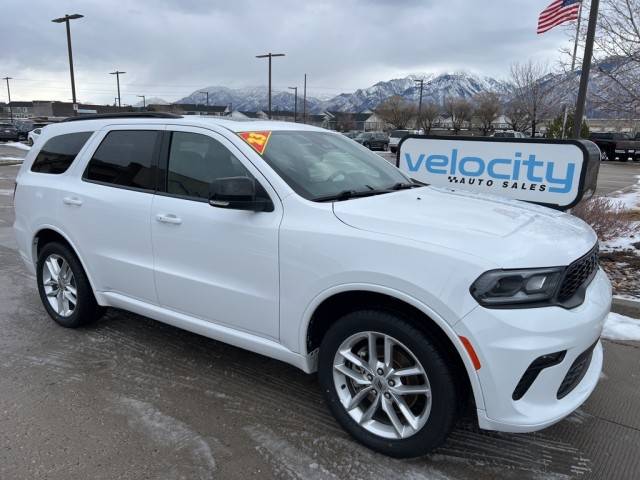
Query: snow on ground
x=18, y=145
x=620, y=327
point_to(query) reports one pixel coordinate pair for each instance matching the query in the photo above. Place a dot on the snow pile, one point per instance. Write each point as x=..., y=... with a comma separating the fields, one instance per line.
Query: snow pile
x=620, y=327
x=18, y=145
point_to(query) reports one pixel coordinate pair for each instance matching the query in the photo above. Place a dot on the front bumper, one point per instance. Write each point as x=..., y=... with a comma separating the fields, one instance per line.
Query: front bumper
x=507, y=341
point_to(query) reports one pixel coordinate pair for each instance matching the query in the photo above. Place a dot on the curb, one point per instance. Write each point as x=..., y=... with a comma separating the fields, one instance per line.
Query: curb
x=624, y=306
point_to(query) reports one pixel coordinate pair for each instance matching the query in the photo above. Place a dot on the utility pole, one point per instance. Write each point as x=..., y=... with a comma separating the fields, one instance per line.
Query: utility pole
x=586, y=66
x=421, y=83
x=144, y=100
x=9, y=96
x=207, y=94
x=295, y=105
x=270, y=56
x=304, y=101
x=573, y=67
x=66, y=19
x=117, y=73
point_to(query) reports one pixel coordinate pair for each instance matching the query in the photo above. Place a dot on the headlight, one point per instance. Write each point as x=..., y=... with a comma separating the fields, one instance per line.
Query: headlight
x=513, y=287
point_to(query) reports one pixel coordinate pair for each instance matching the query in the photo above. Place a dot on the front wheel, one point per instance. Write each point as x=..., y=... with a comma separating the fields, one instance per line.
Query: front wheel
x=387, y=383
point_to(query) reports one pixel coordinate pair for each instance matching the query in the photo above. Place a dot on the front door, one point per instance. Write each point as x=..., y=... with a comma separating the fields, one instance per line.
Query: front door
x=213, y=263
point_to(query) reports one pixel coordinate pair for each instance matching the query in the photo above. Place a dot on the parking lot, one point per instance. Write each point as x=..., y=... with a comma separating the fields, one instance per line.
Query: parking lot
x=132, y=398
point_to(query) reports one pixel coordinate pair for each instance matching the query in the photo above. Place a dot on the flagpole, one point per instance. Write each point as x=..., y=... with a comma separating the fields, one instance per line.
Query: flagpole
x=586, y=66
x=573, y=66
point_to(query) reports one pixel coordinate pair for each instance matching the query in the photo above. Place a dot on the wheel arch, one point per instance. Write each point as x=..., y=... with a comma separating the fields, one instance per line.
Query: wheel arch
x=47, y=234
x=328, y=307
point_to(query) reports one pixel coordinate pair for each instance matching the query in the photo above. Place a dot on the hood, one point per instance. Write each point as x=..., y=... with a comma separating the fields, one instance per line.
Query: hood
x=508, y=233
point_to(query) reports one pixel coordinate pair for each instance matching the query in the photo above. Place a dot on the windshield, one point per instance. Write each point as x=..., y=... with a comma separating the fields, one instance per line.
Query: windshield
x=399, y=133
x=323, y=164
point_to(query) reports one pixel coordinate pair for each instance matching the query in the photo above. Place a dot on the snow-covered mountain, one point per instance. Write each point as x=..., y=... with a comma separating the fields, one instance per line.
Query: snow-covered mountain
x=153, y=101
x=251, y=98
x=435, y=88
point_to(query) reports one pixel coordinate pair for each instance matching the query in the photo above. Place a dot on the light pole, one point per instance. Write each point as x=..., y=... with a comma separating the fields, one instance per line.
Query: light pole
x=117, y=73
x=421, y=83
x=304, y=101
x=9, y=96
x=270, y=56
x=207, y=94
x=144, y=100
x=66, y=19
x=586, y=67
x=295, y=104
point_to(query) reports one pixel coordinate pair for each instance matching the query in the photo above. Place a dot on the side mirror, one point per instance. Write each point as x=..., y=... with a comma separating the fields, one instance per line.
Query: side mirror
x=238, y=193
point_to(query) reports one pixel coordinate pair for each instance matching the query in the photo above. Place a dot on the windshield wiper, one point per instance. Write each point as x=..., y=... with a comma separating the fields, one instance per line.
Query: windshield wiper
x=347, y=194
x=403, y=186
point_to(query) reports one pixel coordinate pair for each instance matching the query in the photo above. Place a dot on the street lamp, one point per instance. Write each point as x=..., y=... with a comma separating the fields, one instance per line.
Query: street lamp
x=295, y=104
x=144, y=100
x=117, y=73
x=270, y=56
x=9, y=97
x=207, y=93
x=66, y=20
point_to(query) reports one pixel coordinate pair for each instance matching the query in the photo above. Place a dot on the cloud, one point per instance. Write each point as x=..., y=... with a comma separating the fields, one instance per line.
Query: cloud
x=171, y=47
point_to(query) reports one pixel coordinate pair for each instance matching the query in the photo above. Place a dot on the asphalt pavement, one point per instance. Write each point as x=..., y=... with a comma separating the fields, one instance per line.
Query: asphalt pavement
x=131, y=398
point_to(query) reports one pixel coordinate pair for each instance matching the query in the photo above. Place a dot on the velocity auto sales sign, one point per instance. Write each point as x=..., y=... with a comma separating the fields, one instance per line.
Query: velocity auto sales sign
x=549, y=172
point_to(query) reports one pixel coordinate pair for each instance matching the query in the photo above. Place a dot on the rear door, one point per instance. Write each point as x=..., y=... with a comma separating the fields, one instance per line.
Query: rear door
x=217, y=264
x=107, y=211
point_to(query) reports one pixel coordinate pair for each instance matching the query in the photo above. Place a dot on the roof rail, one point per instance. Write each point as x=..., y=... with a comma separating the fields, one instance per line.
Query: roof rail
x=99, y=116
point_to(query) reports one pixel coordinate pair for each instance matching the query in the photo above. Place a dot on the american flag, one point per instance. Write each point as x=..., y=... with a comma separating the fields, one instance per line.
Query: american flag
x=558, y=12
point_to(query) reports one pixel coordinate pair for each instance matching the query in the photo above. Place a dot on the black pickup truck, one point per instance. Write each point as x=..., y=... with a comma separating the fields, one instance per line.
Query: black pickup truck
x=619, y=146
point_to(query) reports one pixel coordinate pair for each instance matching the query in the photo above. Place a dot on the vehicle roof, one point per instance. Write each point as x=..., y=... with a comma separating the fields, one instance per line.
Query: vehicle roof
x=188, y=120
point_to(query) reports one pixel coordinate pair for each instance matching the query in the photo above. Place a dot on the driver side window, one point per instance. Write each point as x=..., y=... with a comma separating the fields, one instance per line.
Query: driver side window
x=195, y=161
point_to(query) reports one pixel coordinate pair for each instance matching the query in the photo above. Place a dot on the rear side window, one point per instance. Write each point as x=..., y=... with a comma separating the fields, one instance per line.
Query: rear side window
x=57, y=155
x=125, y=158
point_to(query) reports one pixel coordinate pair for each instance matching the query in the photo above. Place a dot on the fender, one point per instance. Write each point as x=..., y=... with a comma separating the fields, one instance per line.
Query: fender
x=34, y=257
x=367, y=287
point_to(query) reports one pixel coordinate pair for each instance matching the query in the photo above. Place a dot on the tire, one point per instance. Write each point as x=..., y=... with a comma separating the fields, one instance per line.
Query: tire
x=437, y=411
x=30, y=142
x=393, y=149
x=85, y=310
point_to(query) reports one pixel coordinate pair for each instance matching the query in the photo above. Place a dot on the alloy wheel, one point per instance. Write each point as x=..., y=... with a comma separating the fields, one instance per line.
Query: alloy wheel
x=382, y=385
x=59, y=285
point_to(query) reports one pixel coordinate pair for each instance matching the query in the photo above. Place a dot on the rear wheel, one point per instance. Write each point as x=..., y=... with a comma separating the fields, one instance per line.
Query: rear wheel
x=64, y=287
x=387, y=383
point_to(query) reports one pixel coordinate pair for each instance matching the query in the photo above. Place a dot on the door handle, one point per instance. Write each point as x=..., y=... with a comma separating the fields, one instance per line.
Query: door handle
x=74, y=201
x=169, y=218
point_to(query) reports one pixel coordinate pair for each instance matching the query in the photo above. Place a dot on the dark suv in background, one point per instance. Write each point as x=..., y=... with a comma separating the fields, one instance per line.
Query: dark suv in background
x=374, y=140
x=8, y=132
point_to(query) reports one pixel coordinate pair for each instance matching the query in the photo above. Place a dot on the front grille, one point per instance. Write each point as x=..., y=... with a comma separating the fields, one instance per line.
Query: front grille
x=576, y=372
x=577, y=274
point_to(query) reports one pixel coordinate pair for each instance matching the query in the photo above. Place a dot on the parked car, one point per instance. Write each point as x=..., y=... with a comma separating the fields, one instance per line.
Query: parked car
x=373, y=140
x=33, y=136
x=9, y=132
x=618, y=146
x=509, y=134
x=396, y=135
x=288, y=240
x=351, y=135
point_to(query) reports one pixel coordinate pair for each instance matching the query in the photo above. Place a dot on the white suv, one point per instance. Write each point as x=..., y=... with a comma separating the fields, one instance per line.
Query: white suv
x=299, y=244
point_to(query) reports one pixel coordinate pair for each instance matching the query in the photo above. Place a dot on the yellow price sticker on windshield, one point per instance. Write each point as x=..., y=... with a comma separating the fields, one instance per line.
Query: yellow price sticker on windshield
x=257, y=140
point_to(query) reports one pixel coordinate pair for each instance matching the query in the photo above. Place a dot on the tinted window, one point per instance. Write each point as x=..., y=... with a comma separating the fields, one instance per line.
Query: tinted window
x=399, y=133
x=125, y=158
x=195, y=161
x=57, y=155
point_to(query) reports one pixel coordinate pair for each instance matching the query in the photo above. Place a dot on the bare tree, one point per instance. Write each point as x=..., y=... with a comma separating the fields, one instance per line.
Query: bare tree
x=459, y=110
x=428, y=116
x=487, y=109
x=396, y=111
x=516, y=116
x=618, y=57
x=531, y=91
